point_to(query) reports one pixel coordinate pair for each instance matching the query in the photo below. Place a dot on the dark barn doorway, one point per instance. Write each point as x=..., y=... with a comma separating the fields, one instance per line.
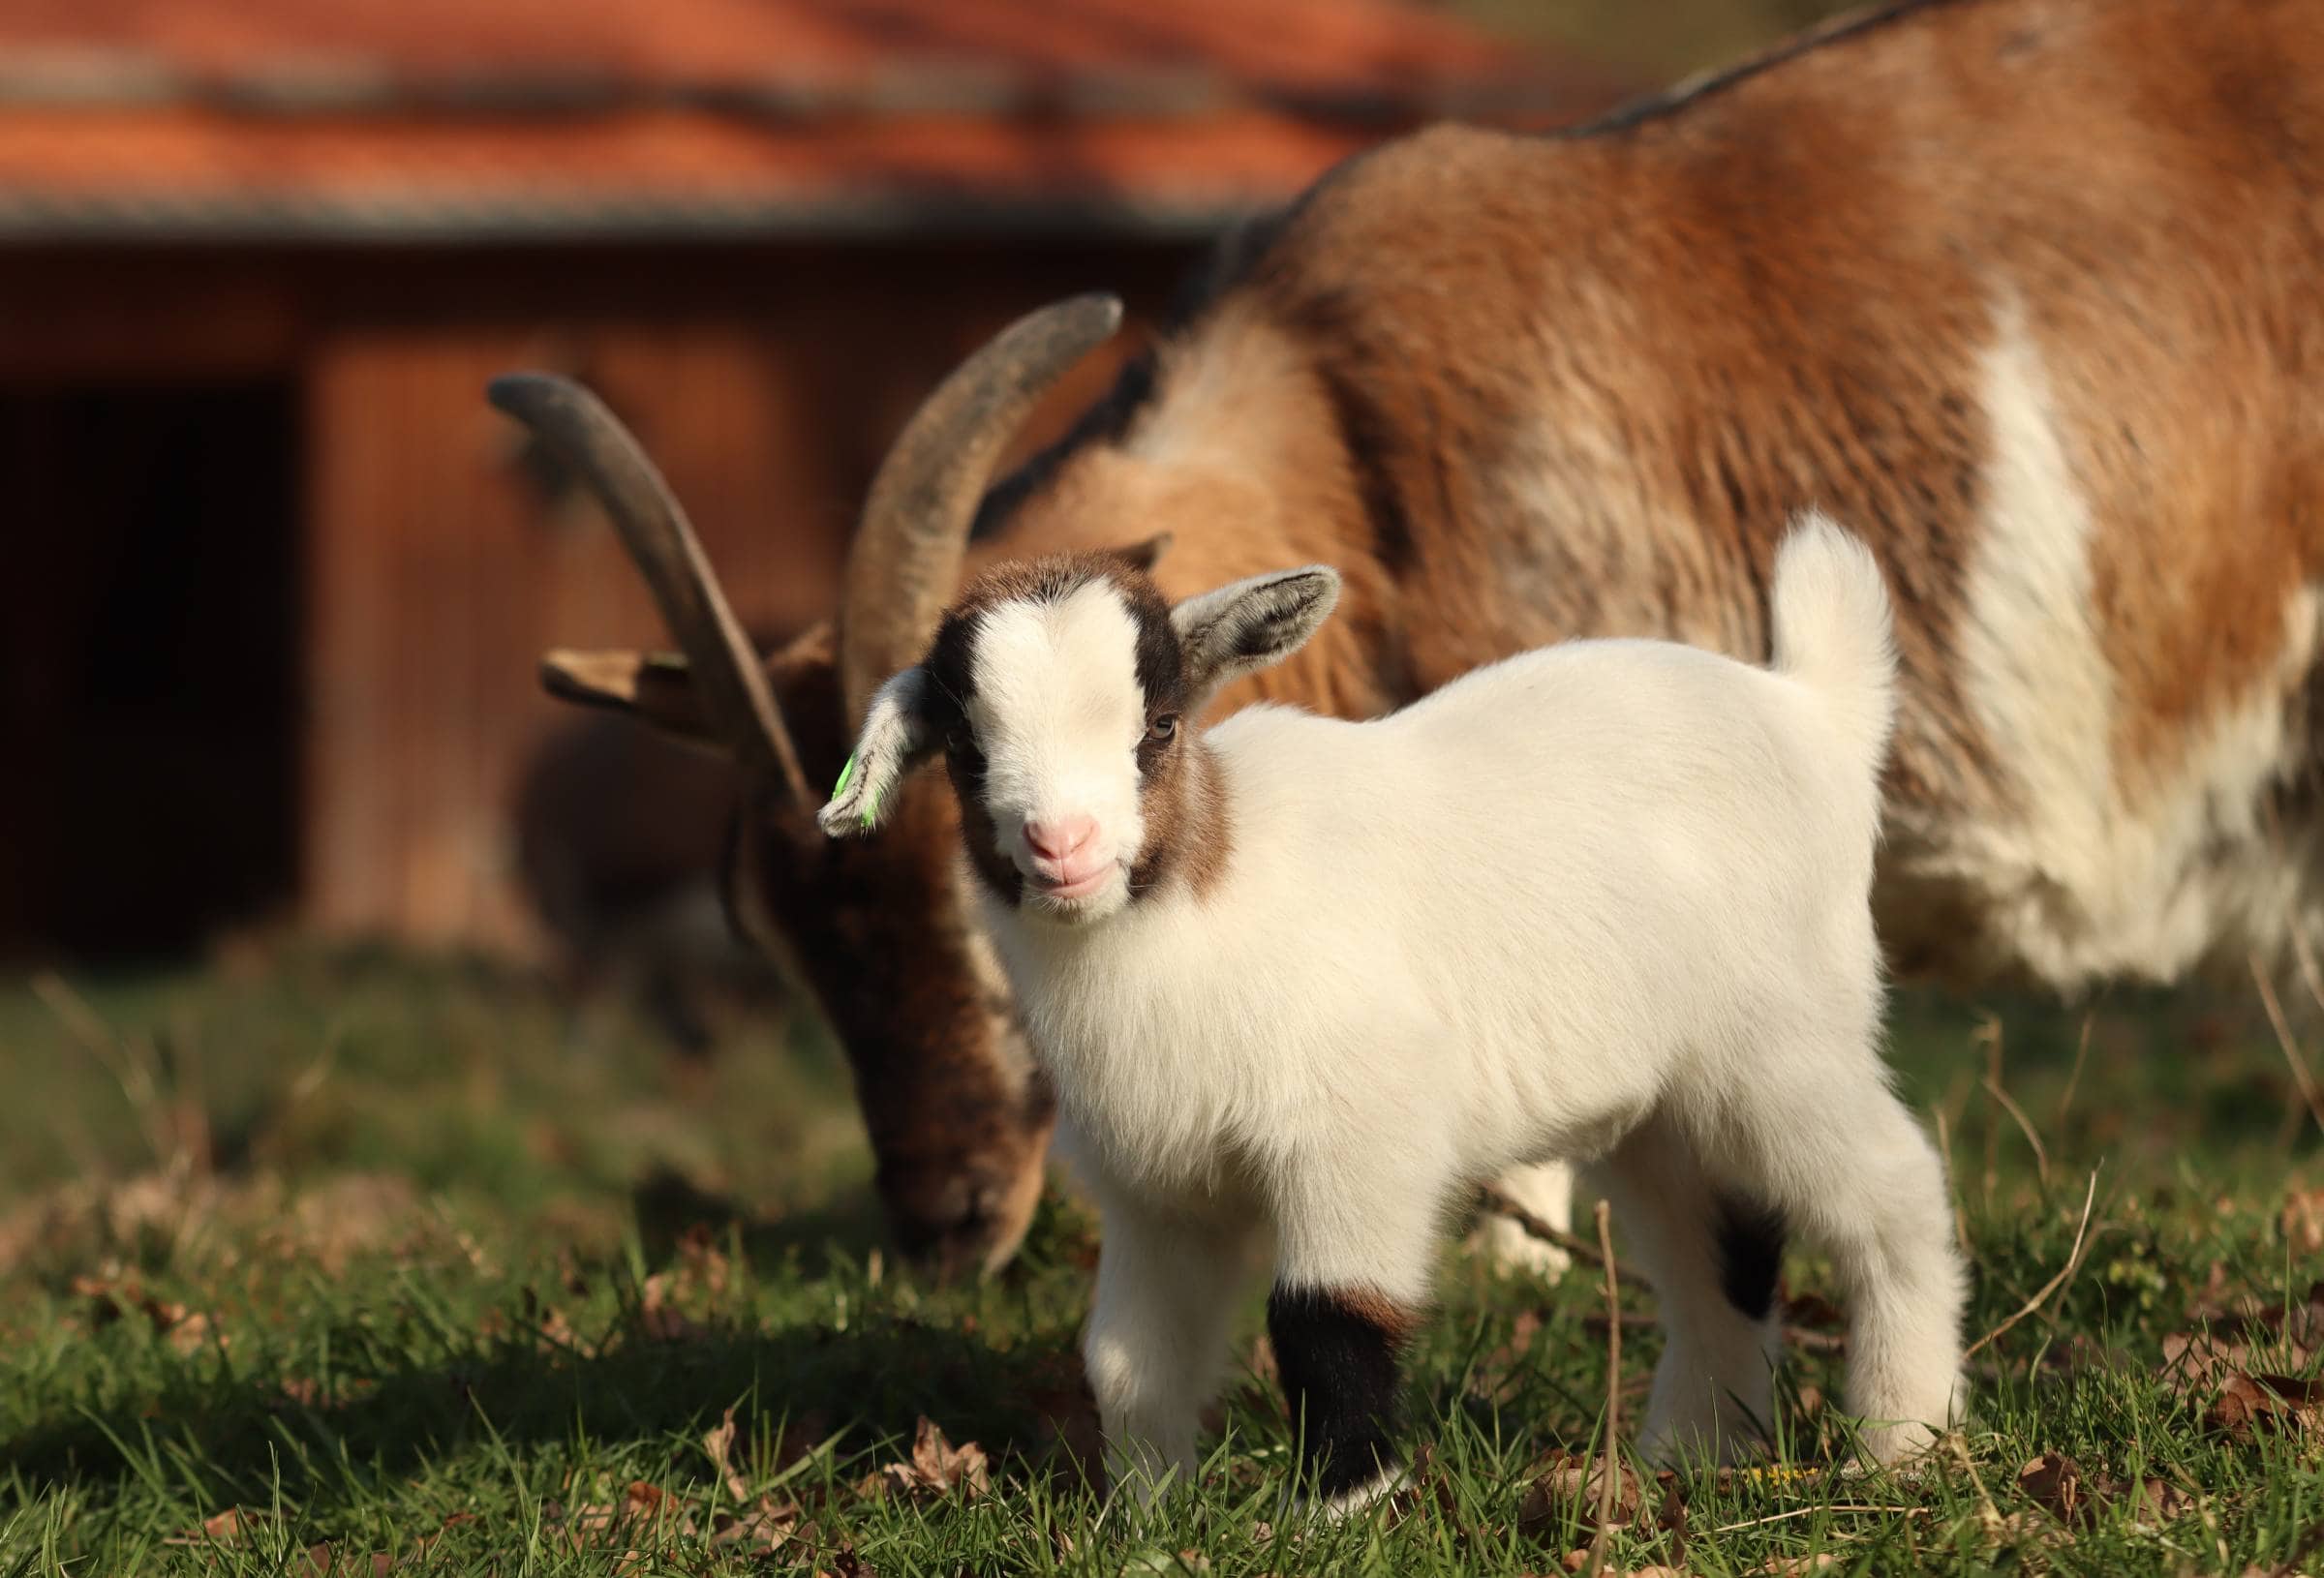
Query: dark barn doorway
x=148, y=659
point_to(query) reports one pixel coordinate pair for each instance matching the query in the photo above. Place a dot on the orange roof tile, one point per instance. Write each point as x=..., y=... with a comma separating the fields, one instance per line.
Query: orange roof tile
x=513, y=117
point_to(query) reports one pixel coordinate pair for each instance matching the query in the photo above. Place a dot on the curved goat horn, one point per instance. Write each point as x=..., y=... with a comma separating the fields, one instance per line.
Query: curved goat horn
x=586, y=436
x=906, y=562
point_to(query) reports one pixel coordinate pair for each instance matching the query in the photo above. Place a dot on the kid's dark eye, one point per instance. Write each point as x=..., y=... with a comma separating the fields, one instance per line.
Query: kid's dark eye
x=1163, y=727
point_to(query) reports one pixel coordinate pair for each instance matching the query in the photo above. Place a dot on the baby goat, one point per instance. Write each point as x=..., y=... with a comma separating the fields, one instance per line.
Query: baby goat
x=1310, y=980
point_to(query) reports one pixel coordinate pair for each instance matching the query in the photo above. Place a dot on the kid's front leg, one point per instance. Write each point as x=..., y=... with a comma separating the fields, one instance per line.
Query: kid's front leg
x=1351, y=1288
x=1156, y=1346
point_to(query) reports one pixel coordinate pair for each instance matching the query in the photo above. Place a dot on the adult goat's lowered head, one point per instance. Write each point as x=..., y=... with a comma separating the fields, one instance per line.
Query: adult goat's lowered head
x=2028, y=292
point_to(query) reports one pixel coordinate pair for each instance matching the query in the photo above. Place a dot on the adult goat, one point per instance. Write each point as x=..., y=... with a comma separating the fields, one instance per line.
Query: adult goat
x=2025, y=291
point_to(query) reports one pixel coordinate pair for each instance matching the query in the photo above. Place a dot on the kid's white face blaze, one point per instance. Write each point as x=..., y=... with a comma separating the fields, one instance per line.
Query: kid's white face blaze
x=1057, y=716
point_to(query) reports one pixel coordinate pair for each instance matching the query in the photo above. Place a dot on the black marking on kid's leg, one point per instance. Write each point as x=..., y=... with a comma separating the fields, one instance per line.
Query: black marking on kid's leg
x=1751, y=1253
x=1336, y=1350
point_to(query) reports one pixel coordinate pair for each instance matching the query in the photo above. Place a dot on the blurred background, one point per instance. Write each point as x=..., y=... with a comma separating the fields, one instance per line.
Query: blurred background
x=280, y=577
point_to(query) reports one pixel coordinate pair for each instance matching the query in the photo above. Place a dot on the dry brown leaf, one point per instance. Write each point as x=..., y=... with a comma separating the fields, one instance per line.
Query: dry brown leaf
x=1562, y=1481
x=663, y=1320
x=719, y=1443
x=642, y=1502
x=325, y=1562
x=2246, y=1404
x=938, y=1466
x=2302, y=1220
x=1504, y=1356
x=703, y=1264
x=1580, y=1562
x=226, y=1527
x=1798, y=1567
x=2076, y=1498
x=188, y=1332
x=759, y=1528
x=2056, y=1482
x=2153, y=1501
x=845, y=1564
x=109, y=1300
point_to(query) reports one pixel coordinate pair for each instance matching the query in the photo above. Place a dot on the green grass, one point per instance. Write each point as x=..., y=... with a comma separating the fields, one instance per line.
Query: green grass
x=409, y=1265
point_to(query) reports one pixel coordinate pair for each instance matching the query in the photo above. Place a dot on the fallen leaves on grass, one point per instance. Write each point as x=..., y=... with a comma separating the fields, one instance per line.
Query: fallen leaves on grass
x=2243, y=1366
x=608, y=1523
x=1426, y=1490
x=111, y=1300
x=2302, y=1220
x=938, y=1467
x=228, y=1528
x=2076, y=1499
x=844, y=1563
x=1563, y=1482
x=759, y=1528
x=659, y=1318
x=2249, y=1404
x=1580, y=1562
x=718, y=1444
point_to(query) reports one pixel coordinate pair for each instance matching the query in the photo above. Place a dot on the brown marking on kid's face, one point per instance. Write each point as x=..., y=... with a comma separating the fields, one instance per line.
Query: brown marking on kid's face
x=1189, y=832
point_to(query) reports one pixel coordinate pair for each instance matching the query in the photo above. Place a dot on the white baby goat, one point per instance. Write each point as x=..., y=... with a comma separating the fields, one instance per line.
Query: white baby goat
x=1312, y=981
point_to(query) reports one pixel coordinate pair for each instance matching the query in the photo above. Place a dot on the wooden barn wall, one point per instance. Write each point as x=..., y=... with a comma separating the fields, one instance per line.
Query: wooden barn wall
x=438, y=569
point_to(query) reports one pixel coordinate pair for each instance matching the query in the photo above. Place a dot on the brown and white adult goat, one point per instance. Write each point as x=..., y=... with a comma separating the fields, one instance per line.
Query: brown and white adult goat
x=2029, y=292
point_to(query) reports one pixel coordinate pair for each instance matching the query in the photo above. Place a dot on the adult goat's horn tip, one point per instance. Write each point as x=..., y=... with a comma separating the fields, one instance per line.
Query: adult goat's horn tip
x=1102, y=308
x=522, y=395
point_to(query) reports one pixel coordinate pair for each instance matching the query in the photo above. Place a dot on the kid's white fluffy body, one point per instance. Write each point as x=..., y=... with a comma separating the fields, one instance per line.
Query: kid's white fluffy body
x=1606, y=901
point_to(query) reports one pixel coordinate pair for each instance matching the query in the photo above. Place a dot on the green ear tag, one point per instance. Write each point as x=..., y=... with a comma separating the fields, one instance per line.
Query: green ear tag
x=870, y=813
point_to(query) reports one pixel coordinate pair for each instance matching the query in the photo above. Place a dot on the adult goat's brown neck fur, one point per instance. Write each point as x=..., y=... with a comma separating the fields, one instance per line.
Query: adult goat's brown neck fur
x=2024, y=291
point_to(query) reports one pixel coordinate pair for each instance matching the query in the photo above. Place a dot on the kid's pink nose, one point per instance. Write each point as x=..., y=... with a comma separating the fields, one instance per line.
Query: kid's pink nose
x=1062, y=839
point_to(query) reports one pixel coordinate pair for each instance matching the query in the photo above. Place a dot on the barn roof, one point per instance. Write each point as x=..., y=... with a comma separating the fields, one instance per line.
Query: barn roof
x=508, y=119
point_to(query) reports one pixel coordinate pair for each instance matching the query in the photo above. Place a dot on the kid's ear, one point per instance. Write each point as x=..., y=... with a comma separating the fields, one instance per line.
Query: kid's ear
x=1251, y=624
x=896, y=739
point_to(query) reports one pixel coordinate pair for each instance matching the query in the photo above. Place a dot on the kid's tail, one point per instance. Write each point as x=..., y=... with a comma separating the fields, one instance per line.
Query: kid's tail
x=1829, y=608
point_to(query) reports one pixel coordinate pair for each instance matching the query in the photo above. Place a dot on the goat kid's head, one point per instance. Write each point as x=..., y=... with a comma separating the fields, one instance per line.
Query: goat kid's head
x=1058, y=691
x=880, y=935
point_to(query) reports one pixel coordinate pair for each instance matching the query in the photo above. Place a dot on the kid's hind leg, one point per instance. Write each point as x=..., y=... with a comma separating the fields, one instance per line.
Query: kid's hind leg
x=1546, y=1190
x=1713, y=1256
x=1847, y=1164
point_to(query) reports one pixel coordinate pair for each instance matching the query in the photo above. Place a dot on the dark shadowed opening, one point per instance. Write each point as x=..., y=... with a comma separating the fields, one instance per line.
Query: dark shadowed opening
x=147, y=656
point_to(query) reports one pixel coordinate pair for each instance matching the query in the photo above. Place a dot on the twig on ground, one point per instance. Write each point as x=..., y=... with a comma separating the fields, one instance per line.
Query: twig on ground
x=1945, y=1148
x=1609, y=1493
x=1991, y=1031
x=134, y=1070
x=2284, y=1038
x=1811, y=1511
x=2073, y=1260
x=1495, y=1200
x=2073, y=1081
x=2003, y=1098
